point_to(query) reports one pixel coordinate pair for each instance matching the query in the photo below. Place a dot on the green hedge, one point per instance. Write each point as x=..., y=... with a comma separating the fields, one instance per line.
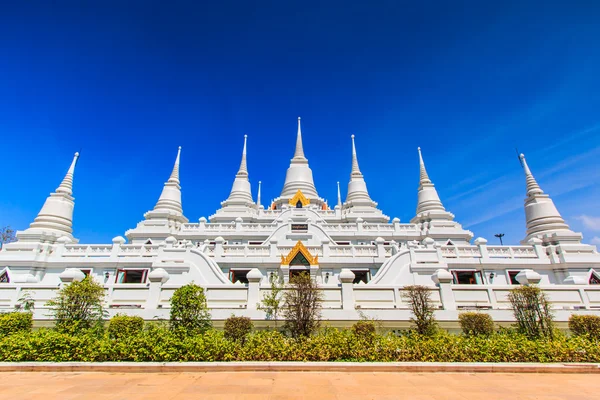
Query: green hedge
x=585, y=325
x=121, y=326
x=14, y=322
x=158, y=343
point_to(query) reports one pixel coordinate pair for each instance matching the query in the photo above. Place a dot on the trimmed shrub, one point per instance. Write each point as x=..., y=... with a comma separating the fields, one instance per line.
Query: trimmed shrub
x=238, y=328
x=475, y=324
x=160, y=344
x=189, y=312
x=78, y=306
x=122, y=326
x=364, y=330
x=14, y=322
x=581, y=325
x=419, y=301
x=532, y=311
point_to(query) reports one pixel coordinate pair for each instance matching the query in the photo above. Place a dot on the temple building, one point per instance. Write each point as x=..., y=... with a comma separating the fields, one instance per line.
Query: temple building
x=360, y=258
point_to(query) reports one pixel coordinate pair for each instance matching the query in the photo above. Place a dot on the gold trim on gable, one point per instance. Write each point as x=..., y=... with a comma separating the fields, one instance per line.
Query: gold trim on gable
x=299, y=248
x=299, y=196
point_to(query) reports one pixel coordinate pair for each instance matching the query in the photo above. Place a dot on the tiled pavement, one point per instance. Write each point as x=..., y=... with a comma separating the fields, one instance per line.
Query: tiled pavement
x=296, y=385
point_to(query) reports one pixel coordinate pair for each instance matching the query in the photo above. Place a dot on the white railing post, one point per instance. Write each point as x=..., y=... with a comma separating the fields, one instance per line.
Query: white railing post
x=347, y=279
x=157, y=278
x=443, y=279
x=481, y=243
x=254, y=277
x=380, y=249
x=219, y=241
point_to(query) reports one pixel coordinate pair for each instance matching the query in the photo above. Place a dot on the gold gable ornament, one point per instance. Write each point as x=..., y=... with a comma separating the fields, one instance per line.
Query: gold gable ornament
x=299, y=197
x=299, y=248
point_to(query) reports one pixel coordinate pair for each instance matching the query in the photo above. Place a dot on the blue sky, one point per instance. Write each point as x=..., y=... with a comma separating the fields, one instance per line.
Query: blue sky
x=128, y=82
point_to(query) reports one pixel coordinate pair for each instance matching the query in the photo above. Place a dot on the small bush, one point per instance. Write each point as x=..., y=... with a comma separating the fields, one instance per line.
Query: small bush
x=122, y=326
x=364, y=330
x=581, y=325
x=189, y=312
x=419, y=301
x=475, y=324
x=78, y=306
x=532, y=311
x=14, y=322
x=238, y=328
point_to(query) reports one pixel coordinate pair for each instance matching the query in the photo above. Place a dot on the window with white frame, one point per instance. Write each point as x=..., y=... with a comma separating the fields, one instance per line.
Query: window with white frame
x=512, y=277
x=467, y=277
x=131, y=275
x=238, y=275
x=361, y=275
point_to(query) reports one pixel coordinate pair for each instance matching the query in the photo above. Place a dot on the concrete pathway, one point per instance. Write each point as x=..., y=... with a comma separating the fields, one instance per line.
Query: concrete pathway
x=296, y=385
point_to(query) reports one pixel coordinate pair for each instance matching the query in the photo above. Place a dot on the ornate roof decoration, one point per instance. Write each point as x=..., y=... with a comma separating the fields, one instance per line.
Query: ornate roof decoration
x=299, y=196
x=299, y=248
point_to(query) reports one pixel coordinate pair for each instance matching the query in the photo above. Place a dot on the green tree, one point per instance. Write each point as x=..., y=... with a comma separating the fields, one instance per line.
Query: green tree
x=271, y=302
x=302, y=306
x=419, y=301
x=78, y=305
x=532, y=311
x=189, y=312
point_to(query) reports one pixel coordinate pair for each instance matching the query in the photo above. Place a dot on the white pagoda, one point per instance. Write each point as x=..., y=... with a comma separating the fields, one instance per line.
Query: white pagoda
x=360, y=259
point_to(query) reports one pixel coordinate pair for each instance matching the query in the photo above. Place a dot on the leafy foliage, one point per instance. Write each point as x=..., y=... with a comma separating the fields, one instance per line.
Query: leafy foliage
x=302, y=302
x=474, y=323
x=123, y=326
x=272, y=301
x=159, y=343
x=25, y=302
x=365, y=330
x=15, y=322
x=189, y=312
x=78, y=306
x=532, y=311
x=419, y=301
x=238, y=328
x=585, y=325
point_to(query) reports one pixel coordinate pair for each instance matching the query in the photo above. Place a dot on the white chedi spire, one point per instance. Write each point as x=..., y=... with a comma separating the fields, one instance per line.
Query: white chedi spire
x=429, y=204
x=339, y=197
x=258, y=194
x=299, y=175
x=542, y=219
x=170, y=198
x=55, y=219
x=357, y=187
x=240, y=191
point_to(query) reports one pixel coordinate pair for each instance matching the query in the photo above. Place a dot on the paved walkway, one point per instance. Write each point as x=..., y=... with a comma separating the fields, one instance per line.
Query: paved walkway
x=295, y=385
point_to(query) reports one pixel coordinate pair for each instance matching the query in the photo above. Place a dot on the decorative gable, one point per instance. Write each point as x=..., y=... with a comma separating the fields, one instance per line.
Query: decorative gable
x=299, y=255
x=299, y=197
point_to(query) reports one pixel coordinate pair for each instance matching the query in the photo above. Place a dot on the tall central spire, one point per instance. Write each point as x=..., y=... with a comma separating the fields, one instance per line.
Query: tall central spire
x=299, y=175
x=299, y=153
x=243, y=167
x=355, y=169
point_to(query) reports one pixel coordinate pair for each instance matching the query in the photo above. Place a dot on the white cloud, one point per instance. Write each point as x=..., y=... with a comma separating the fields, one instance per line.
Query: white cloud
x=595, y=240
x=592, y=223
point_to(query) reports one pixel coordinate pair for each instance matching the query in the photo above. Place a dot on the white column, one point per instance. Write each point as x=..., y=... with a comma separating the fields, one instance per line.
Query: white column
x=254, y=277
x=157, y=278
x=443, y=279
x=347, y=279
